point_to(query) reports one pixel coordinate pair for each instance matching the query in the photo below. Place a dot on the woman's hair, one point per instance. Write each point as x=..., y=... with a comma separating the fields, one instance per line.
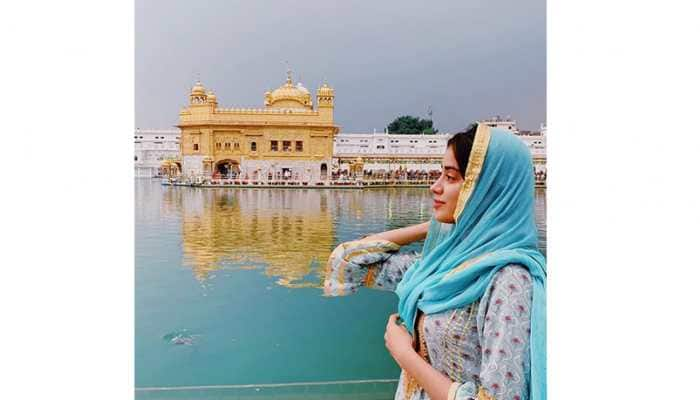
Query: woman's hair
x=461, y=144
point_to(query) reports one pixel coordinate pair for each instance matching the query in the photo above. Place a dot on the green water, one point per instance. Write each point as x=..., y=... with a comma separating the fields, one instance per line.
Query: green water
x=227, y=292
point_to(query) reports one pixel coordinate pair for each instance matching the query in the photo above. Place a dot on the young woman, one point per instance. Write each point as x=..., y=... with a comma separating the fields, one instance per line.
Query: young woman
x=471, y=314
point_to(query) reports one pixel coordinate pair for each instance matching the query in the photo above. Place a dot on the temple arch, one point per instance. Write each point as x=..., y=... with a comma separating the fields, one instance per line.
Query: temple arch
x=227, y=167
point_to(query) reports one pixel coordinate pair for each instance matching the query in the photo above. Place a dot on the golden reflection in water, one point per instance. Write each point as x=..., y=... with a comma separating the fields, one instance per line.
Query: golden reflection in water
x=171, y=202
x=285, y=232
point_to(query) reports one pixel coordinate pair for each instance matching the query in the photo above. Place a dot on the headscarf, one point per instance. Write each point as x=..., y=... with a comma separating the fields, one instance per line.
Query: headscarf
x=494, y=227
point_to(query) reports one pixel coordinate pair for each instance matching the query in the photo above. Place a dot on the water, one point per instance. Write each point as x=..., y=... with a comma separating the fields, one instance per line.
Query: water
x=227, y=292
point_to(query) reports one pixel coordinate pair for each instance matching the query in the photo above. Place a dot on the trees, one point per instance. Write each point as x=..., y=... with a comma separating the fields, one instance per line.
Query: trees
x=408, y=124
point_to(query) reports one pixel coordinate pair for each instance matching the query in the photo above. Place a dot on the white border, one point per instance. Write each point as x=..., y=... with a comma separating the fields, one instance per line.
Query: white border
x=67, y=199
x=623, y=212
x=623, y=205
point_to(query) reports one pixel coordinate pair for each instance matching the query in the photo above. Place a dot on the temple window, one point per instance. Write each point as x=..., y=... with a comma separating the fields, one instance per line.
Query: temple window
x=299, y=145
x=273, y=145
x=227, y=146
x=218, y=146
x=236, y=146
x=286, y=145
x=253, y=146
x=195, y=147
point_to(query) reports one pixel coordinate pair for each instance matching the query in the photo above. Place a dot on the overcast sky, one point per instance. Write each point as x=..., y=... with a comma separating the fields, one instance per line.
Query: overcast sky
x=468, y=59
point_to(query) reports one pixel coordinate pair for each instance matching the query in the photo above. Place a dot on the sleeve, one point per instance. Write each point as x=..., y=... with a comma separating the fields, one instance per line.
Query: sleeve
x=370, y=263
x=503, y=323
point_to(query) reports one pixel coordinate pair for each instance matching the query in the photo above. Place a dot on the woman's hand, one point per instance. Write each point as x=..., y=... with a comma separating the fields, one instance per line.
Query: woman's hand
x=400, y=345
x=403, y=236
x=397, y=340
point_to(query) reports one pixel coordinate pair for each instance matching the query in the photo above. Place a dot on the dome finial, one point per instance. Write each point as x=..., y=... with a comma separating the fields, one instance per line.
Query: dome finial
x=289, y=73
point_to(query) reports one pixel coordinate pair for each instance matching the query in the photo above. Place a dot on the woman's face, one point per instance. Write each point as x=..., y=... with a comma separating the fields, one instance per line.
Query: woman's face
x=446, y=189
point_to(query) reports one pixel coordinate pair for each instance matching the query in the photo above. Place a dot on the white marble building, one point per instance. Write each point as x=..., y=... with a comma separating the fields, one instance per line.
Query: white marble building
x=420, y=152
x=390, y=151
x=151, y=147
x=506, y=123
x=378, y=151
x=537, y=142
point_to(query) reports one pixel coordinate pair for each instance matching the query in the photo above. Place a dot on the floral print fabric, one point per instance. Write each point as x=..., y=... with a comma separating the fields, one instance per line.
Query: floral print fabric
x=483, y=346
x=374, y=264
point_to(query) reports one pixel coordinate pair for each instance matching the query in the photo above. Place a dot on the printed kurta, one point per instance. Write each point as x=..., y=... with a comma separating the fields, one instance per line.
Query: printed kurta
x=483, y=346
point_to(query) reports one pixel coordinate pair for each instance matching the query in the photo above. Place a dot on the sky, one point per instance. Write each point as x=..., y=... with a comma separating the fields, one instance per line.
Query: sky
x=464, y=59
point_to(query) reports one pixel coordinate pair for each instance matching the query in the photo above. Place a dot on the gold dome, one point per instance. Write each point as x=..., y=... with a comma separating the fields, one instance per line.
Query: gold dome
x=325, y=90
x=211, y=97
x=288, y=95
x=301, y=87
x=198, y=88
x=290, y=92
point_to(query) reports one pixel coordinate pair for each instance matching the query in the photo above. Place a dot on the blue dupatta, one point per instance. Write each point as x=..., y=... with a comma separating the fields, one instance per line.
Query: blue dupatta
x=494, y=227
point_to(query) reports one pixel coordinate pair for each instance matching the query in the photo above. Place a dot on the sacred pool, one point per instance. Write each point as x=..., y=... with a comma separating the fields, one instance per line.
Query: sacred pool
x=228, y=297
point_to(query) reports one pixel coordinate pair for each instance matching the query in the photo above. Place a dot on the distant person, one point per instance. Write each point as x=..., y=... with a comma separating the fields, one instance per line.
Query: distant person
x=471, y=309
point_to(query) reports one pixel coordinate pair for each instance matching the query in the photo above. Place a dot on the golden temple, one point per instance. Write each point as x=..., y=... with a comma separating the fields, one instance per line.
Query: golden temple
x=290, y=137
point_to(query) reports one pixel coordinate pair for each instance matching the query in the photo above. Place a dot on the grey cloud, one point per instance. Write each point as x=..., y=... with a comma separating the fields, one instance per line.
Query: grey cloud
x=468, y=59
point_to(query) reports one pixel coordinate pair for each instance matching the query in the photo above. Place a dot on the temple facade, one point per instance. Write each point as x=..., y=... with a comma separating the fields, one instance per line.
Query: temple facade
x=290, y=137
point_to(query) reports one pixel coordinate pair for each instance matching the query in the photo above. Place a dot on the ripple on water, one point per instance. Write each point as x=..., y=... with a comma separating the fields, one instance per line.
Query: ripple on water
x=180, y=337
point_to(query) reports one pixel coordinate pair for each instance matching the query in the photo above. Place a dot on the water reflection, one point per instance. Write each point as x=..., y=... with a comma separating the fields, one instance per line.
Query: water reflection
x=286, y=232
x=289, y=233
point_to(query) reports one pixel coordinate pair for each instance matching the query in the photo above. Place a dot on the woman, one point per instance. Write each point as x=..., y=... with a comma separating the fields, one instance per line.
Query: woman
x=471, y=320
